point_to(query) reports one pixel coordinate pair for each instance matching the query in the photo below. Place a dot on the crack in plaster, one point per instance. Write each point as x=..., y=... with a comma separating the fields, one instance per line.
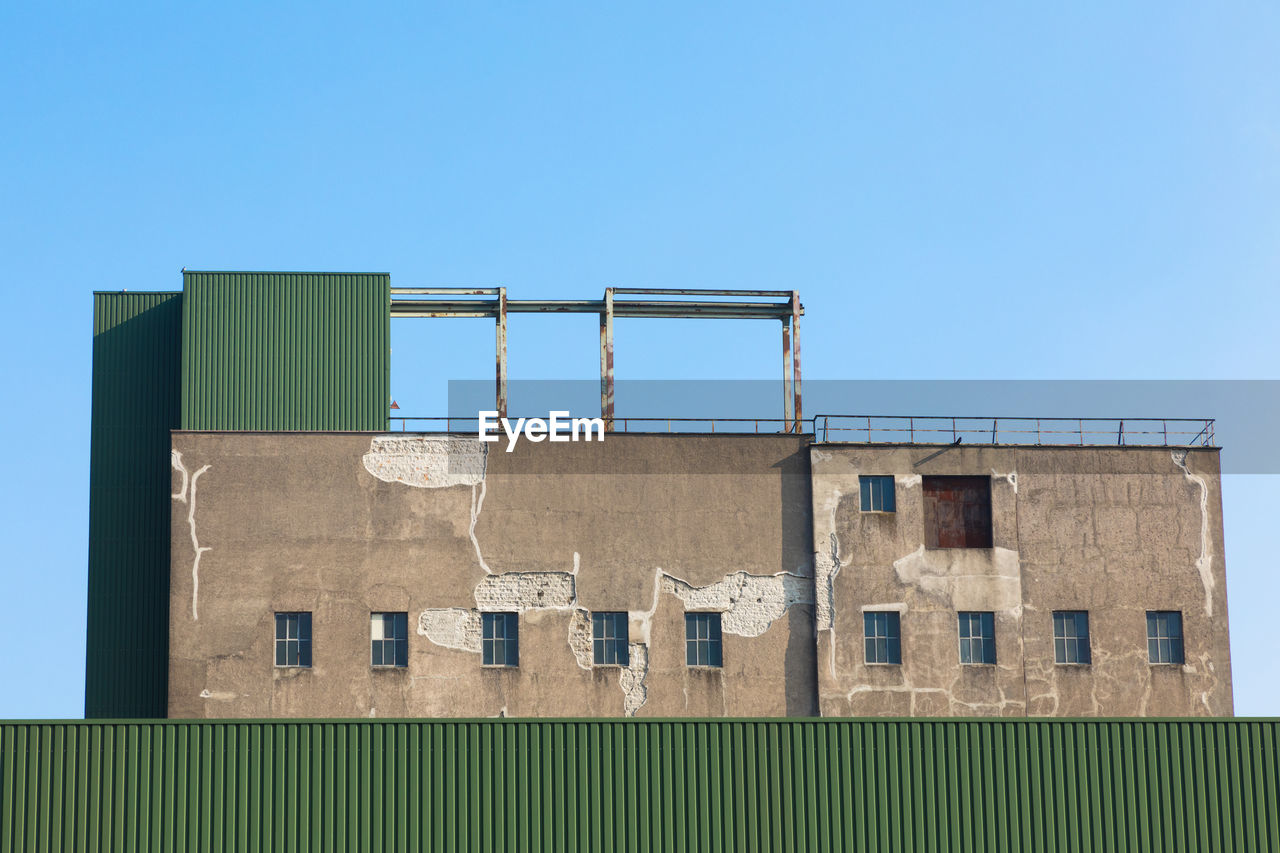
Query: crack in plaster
x=476, y=506
x=188, y=496
x=948, y=692
x=825, y=569
x=1204, y=563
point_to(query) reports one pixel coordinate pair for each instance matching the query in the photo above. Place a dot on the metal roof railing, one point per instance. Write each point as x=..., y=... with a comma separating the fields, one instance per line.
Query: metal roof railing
x=943, y=429
x=910, y=429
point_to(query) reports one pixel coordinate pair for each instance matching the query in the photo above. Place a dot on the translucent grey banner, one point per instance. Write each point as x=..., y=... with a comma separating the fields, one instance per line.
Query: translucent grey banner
x=1239, y=416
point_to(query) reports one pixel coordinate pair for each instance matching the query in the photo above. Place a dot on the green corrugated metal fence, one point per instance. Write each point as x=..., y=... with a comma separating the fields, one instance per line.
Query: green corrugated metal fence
x=642, y=785
x=136, y=357
x=286, y=351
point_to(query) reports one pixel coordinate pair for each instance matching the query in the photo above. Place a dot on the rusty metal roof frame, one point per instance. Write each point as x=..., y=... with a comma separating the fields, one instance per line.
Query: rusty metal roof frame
x=484, y=302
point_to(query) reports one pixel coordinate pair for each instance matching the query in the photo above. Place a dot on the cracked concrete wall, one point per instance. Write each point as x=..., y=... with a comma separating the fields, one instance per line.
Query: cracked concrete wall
x=1115, y=531
x=342, y=525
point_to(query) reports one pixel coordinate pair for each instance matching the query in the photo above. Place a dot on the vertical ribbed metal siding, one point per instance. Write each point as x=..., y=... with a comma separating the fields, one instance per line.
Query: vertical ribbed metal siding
x=286, y=351
x=136, y=401
x=642, y=785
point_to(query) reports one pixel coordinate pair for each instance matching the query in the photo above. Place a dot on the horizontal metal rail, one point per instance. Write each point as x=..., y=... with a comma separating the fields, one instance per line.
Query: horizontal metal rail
x=727, y=426
x=621, y=308
x=939, y=429
x=908, y=429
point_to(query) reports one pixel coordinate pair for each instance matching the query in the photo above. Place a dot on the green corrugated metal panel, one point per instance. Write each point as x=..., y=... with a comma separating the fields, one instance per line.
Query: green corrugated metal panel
x=642, y=785
x=136, y=401
x=286, y=351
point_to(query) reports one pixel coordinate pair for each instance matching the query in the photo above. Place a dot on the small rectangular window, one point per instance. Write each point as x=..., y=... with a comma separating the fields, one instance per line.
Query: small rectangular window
x=609, y=639
x=978, y=638
x=1071, y=636
x=877, y=494
x=881, y=633
x=957, y=512
x=1164, y=636
x=293, y=639
x=389, y=639
x=702, y=639
x=500, y=639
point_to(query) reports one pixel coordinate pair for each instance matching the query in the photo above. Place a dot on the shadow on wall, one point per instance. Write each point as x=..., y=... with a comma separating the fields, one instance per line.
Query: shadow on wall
x=801, y=660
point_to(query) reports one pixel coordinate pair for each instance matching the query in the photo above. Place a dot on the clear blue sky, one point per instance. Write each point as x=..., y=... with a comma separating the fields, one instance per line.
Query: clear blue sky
x=1086, y=191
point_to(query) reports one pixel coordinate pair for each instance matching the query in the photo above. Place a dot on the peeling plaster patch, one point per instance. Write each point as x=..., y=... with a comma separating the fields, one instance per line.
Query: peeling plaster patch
x=910, y=481
x=896, y=606
x=188, y=497
x=520, y=591
x=426, y=462
x=221, y=695
x=1204, y=563
x=749, y=603
x=825, y=569
x=632, y=677
x=451, y=627
x=1011, y=478
x=1001, y=590
x=580, y=638
x=577, y=558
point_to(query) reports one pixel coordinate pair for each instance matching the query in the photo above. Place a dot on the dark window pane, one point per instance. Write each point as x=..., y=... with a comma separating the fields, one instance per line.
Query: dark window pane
x=280, y=653
x=977, y=637
x=702, y=639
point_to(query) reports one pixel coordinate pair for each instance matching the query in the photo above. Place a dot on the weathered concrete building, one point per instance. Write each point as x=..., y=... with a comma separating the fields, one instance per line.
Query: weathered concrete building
x=316, y=564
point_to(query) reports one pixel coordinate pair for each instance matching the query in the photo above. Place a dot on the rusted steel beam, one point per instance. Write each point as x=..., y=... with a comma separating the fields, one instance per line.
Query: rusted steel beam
x=501, y=346
x=447, y=291
x=483, y=315
x=685, y=291
x=622, y=308
x=787, y=391
x=606, y=360
x=796, y=310
x=444, y=308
